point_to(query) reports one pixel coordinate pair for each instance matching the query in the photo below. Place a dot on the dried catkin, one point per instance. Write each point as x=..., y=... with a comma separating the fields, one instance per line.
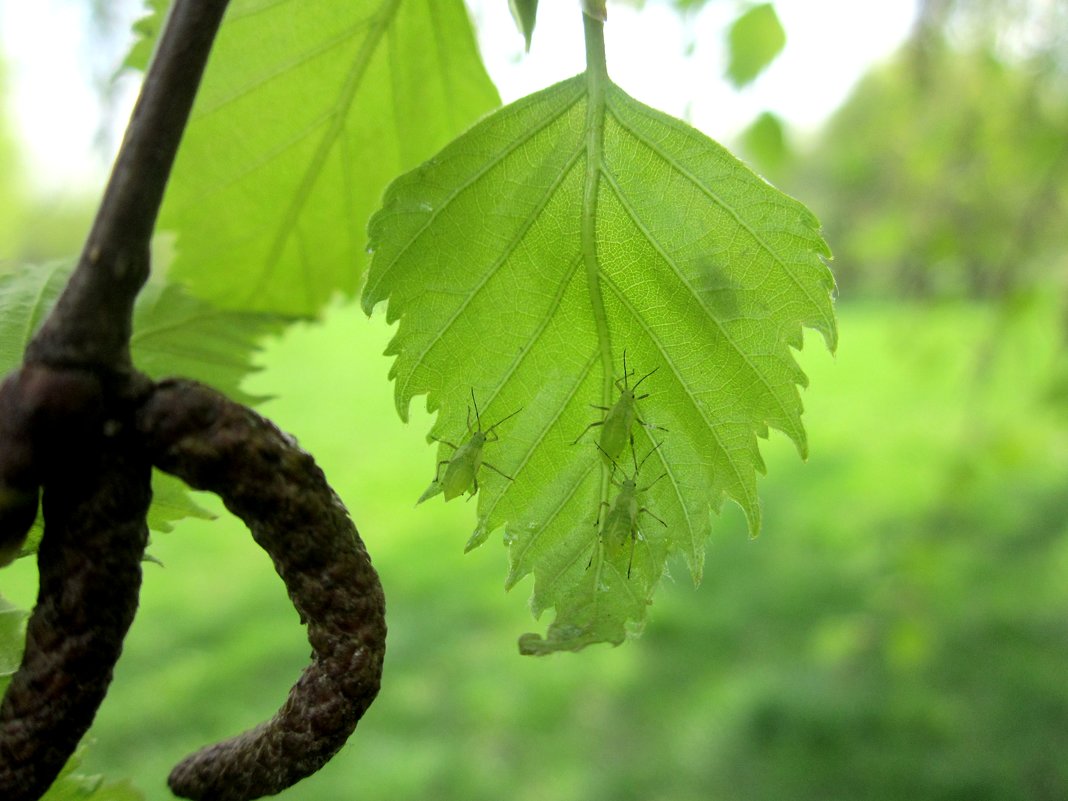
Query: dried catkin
x=261, y=475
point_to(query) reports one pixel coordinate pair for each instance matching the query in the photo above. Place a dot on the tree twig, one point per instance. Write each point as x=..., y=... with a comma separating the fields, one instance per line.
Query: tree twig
x=90, y=325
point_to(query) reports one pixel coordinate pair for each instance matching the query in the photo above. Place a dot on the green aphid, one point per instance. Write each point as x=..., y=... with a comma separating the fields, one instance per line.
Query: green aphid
x=621, y=523
x=619, y=420
x=461, y=470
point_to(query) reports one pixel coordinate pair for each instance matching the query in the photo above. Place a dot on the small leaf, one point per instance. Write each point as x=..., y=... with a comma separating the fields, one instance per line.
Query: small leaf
x=306, y=111
x=754, y=40
x=524, y=258
x=12, y=637
x=765, y=142
x=171, y=502
x=525, y=13
x=27, y=293
x=175, y=334
x=146, y=33
x=71, y=785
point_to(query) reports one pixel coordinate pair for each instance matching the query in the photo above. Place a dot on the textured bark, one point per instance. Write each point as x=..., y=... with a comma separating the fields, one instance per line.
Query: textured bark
x=278, y=491
x=76, y=437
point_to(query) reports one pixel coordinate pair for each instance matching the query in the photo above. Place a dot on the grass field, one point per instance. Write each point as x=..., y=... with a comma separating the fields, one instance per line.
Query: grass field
x=897, y=632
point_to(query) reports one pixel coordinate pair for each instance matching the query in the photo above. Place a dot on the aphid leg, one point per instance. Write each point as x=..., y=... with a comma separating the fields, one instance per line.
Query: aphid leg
x=597, y=520
x=630, y=561
x=437, y=472
x=597, y=539
x=651, y=425
x=635, y=533
x=587, y=428
x=496, y=470
x=657, y=519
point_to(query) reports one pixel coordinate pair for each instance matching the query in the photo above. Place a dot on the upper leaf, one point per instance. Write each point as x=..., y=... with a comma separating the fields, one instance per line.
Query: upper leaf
x=754, y=40
x=146, y=33
x=525, y=13
x=525, y=258
x=306, y=111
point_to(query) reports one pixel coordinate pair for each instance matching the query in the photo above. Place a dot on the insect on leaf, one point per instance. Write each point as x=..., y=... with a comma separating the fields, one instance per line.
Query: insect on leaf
x=527, y=255
x=461, y=470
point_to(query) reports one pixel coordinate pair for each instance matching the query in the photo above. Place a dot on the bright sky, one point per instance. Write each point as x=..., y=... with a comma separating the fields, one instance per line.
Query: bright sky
x=830, y=43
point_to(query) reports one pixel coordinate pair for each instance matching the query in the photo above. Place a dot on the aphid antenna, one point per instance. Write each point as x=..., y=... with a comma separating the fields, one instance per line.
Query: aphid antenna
x=642, y=379
x=503, y=419
x=478, y=419
x=639, y=465
x=478, y=416
x=615, y=464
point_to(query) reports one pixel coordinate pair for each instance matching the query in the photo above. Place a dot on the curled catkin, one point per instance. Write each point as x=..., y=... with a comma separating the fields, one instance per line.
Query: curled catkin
x=261, y=475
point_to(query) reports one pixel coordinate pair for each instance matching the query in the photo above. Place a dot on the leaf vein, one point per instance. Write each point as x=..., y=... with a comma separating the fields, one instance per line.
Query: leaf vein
x=713, y=196
x=491, y=270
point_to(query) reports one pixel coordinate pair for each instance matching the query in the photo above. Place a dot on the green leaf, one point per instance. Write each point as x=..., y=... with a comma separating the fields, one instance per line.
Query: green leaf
x=754, y=40
x=27, y=293
x=306, y=111
x=146, y=33
x=523, y=260
x=171, y=502
x=176, y=334
x=71, y=785
x=173, y=333
x=12, y=639
x=765, y=142
x=525, y=13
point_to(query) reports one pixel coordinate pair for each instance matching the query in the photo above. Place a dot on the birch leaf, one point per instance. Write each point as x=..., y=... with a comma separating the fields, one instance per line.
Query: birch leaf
x=525, y=258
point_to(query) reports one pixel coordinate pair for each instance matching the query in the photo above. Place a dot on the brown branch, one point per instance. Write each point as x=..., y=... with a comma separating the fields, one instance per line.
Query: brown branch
x=90, y=325
x=66, y=425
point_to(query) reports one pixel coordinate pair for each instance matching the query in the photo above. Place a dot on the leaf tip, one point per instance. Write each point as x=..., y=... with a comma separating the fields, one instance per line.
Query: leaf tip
x=480, y=535
x=430, y=492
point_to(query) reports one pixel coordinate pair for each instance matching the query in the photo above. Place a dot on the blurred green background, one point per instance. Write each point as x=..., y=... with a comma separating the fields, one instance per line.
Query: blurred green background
x=900, y=629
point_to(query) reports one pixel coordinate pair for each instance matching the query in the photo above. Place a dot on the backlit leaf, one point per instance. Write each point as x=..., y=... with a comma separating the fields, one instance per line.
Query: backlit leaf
x=146, y=32
x=307, y=109
x=525, y=13
x=524, y=258
x=12, y=637
x=754, y=40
